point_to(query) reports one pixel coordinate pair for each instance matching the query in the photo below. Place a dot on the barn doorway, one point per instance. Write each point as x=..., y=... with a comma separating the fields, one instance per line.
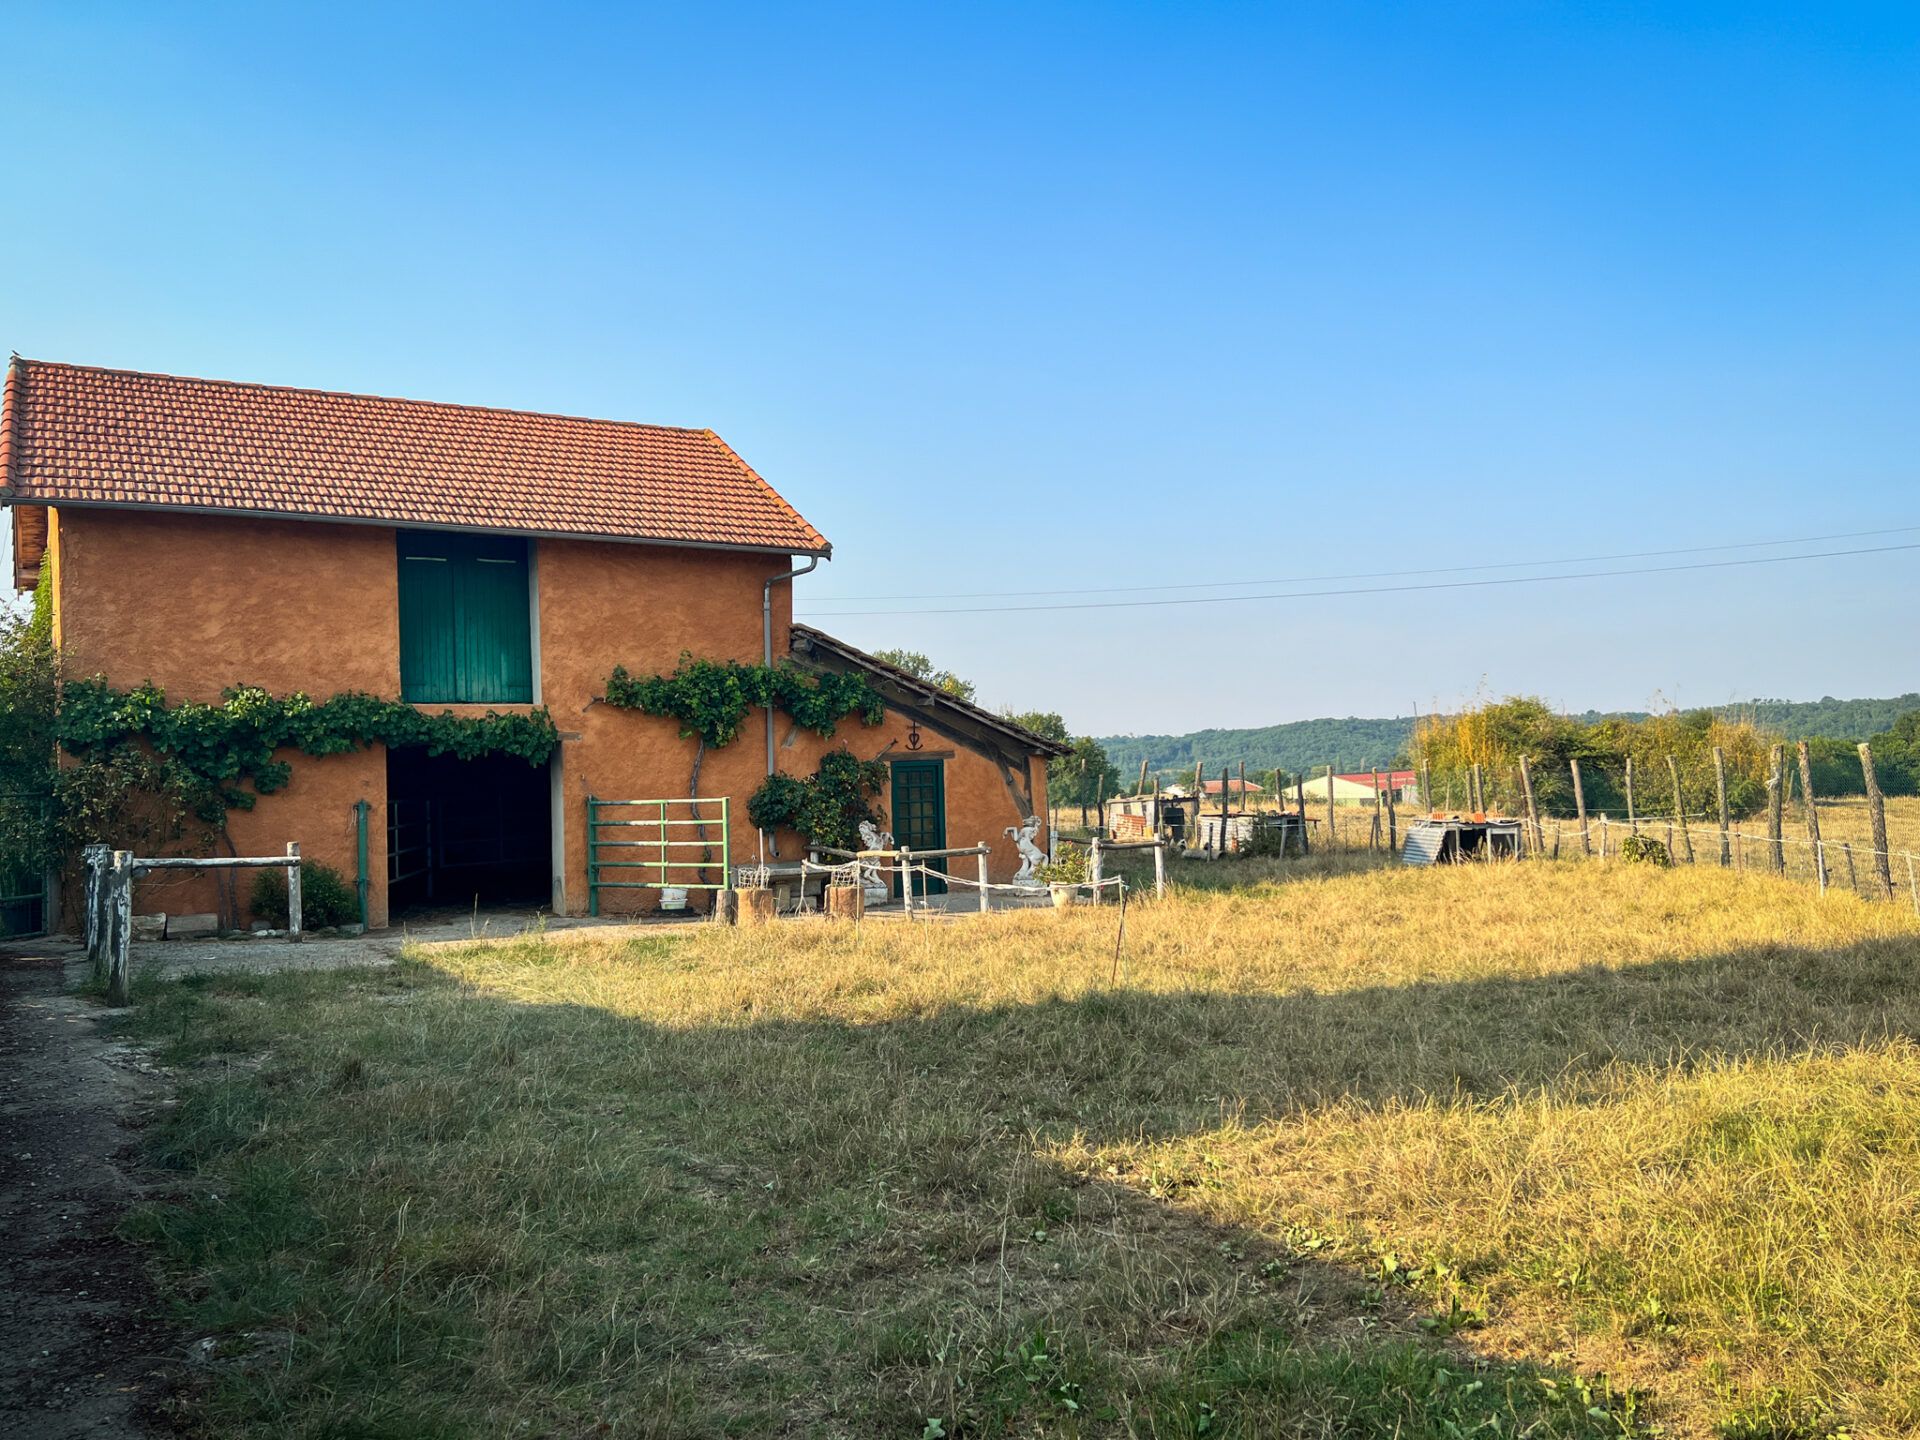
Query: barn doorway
x=462, y=833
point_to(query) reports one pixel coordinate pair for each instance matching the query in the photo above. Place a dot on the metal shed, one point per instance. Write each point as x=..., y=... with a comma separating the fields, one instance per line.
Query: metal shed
x=1450, y=839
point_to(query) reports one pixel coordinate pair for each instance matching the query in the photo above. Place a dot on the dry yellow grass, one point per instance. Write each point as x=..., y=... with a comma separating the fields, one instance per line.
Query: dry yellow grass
x=1339, y=1151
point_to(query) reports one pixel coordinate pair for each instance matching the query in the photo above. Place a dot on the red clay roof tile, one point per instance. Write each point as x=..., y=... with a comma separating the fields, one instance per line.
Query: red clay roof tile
x=73, y=434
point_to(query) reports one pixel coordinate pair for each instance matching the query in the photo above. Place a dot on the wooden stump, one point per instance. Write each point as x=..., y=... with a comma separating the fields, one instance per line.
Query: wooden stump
x=846, y=902
x=756, y=906
x=726, y=907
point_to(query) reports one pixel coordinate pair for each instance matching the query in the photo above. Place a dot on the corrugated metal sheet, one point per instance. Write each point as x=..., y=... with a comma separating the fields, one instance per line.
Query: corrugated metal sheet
x=1424, y=839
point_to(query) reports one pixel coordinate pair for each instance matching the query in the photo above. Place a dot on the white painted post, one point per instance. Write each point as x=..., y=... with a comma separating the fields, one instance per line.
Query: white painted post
x=986, y=900
x=293, y=892
x=1095, y=867
x=120, y=927
x=906, y=878
x=1160, y=869
x=1820, y=863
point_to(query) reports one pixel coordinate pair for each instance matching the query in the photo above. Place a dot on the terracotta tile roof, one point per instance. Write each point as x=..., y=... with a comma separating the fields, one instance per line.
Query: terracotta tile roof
x=77, y=435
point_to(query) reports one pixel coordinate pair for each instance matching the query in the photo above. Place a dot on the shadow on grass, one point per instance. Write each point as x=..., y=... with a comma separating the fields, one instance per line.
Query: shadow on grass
x=470, y=1214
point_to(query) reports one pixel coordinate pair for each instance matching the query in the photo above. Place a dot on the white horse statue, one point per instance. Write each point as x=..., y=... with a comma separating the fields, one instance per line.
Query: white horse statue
x=872, y=837
x=1024, y=837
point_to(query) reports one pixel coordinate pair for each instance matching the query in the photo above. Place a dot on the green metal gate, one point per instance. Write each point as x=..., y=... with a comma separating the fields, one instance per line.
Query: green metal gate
x=659, y=837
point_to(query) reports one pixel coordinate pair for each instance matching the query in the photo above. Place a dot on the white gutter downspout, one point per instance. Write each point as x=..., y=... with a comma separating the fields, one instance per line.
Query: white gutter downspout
x=766, y=645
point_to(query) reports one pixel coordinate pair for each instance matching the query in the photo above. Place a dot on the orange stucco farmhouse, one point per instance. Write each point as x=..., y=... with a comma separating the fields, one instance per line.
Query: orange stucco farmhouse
x=203, y=535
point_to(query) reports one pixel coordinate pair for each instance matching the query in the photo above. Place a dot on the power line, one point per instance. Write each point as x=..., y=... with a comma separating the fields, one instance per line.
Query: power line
x=1383, y=589
x=1372, y=574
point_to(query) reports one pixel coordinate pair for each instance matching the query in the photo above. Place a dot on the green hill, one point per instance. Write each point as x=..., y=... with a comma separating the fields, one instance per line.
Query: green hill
x=1355, y=743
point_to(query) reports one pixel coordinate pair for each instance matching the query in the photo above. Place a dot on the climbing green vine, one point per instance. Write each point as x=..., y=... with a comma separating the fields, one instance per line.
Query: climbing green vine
x=712, y=698
x=825, y=809
x=234, y=741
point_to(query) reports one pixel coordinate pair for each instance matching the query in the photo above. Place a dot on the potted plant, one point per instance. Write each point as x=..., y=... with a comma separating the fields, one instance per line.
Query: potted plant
x=1064, y=876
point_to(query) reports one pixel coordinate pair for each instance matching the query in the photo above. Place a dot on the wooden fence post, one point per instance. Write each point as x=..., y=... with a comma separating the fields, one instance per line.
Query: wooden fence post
x=1776, y=808
x=1720, y=795
x=1580, y=807
x=97, y=858
x=1633, y=820
x=1813, y=815
x=293, y=891
x=1373, y=835
x=980, y=869
x=1096, y=867
x=1853, y=875
x=119, y=926
x=1330, y=830
x=1536, y=840
x=1680, y=809
x=1877, y=812
x=1603, y=835
x=906, y=879
x=1160, y=868
x=1393, y=818
x=1300, y=800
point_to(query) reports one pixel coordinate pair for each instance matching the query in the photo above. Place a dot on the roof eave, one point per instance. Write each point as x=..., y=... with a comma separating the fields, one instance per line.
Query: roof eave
x=10, y=497
x=930, y=696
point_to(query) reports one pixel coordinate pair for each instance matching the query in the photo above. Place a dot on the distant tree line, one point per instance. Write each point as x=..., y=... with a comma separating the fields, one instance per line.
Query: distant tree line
x=1495, y=736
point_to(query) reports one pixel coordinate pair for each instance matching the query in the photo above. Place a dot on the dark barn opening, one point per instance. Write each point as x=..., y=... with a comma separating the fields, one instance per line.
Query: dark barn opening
x=466, y=832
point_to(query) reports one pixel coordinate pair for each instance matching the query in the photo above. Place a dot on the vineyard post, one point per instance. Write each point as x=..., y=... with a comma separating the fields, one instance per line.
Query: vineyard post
x=1813, y=814
x=1373, y=835
x=1633, y=820
x=1720, y=794
x=1776, y=808
x=1877, y=811
x=1853, y=875
x=1580, y=808
x=1680, y=809
x=1536, y=840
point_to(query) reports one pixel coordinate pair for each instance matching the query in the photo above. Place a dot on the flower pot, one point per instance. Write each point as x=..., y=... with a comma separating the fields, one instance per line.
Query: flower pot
x=1065, y=895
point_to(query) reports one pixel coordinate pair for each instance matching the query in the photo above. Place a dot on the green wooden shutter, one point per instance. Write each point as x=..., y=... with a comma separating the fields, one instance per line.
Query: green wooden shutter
x=465, y=626
x=427, y=669
x=494, y=639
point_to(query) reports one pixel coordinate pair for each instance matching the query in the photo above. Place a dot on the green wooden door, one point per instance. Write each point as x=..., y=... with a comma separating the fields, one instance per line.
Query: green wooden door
x=920, y=815
x=466, y=630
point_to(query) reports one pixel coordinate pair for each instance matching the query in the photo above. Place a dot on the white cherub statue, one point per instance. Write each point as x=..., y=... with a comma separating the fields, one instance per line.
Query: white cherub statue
x=872, y=837
x=1023, y=837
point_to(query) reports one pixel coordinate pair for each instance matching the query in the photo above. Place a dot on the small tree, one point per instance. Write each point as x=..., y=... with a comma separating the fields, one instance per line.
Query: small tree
x=921, y=668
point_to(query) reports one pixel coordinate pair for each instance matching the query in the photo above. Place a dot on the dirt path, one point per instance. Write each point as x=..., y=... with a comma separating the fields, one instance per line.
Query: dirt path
x=84, y=1350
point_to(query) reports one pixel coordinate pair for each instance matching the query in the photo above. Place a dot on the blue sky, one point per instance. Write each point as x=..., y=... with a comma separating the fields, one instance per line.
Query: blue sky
x=1032, y=298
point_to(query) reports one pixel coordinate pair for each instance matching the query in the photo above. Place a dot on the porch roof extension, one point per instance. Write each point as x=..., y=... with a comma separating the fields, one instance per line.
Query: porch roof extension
x=81, y=435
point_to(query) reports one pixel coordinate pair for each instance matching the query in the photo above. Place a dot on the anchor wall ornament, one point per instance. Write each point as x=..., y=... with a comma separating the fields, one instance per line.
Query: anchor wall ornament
x=1024, y=840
